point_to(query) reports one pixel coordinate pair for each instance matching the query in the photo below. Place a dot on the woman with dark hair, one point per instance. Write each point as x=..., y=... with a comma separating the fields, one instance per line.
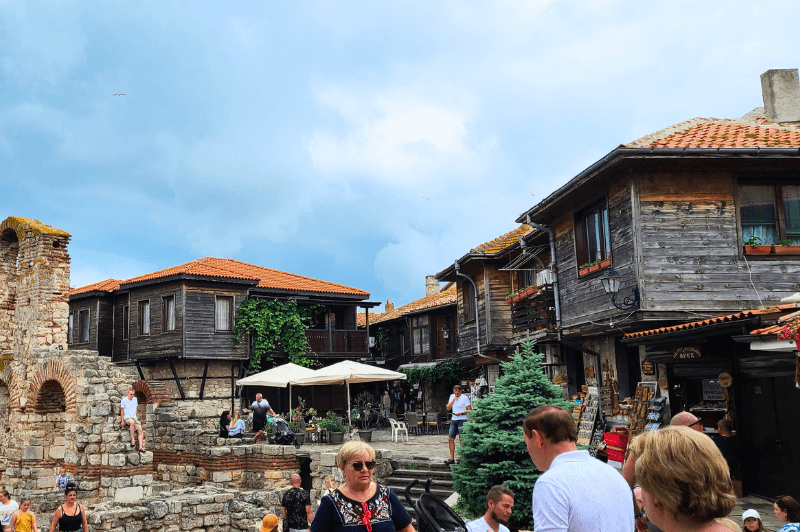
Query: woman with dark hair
x=70, y=516
x=787, y=509
x=224, y=424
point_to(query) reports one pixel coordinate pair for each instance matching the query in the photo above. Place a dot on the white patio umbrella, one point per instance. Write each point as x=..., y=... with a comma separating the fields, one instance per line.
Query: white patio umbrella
x=278, y=377
x=349, y=371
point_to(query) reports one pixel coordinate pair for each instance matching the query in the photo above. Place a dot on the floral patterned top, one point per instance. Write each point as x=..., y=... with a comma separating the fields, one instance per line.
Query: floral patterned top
x=790, y=527
x=337, y=513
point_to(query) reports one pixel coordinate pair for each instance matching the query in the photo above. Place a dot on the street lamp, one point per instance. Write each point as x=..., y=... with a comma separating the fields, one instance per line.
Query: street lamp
x=611, y=283
x=445, y=332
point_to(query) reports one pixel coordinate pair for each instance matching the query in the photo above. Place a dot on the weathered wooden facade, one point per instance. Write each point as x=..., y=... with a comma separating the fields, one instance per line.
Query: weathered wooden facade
x=176, y=325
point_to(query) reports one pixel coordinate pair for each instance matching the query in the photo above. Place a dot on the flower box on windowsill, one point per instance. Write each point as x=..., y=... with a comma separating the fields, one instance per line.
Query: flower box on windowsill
x=757, y=250
x=523, y=294
x=786, y=250
x=605, y=263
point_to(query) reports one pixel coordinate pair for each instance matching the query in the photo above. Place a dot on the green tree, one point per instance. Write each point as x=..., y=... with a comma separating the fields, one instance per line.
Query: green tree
x=272, y=322
x=492, y=450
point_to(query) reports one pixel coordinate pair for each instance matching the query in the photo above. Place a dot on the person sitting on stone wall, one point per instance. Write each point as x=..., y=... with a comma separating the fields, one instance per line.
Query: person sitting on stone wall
x=237, y=427
x=62, y=479
x=127, y=413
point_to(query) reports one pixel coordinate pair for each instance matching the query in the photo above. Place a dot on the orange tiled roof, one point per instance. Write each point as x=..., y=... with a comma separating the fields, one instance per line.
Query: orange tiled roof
x=234, y=269
x=719, y=319
x=109, y=285
x=749, y=131
x=502, y=242
x=776, y=329
x=361, y=318
x=445, y=297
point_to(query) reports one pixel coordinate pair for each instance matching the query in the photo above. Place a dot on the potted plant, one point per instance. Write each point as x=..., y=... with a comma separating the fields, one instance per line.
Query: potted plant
x=785, y=247
x=583, y=269
x=605, y=263
x=752, y=246
x=298, y=428
x=789, y=332
x=365, y=415
x=333, y=426
x=594, y=266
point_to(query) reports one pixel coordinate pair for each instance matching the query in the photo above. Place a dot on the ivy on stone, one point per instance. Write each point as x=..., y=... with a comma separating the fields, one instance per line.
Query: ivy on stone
x=492, y=450
x=271, y=323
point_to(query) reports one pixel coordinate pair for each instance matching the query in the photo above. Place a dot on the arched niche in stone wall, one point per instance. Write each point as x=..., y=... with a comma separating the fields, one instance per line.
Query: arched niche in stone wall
x=51, y=405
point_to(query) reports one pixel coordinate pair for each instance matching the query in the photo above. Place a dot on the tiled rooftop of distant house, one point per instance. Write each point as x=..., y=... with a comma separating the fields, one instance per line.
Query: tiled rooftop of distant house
x=502, y=242
x=445, y=297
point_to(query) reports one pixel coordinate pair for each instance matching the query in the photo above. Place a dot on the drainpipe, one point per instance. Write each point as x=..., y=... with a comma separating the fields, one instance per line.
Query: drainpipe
x=457, y=267
x=552, y=239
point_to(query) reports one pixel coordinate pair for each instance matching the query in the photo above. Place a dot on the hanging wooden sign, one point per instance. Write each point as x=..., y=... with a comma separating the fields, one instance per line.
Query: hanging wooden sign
x=725, y=380
x=648, y=368
x=662, y=382
x=686, y=352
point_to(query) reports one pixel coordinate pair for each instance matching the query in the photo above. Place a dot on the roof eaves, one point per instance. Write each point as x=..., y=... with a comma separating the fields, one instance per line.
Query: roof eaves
x=188, y=277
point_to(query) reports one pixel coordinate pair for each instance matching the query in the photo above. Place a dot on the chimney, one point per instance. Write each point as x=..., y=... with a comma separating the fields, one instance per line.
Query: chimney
x=431, y=285
x=781, y=91
x=388, y=307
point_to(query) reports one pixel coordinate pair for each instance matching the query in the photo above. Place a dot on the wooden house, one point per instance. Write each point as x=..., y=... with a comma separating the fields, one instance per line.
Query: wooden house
x=670, y=216
x=176, y=325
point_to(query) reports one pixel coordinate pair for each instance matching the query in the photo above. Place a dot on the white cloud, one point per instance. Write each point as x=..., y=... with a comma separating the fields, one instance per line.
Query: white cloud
x=395, y=134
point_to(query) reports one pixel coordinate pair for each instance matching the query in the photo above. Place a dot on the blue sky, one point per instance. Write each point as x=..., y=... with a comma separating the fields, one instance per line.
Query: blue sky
x=364, y=143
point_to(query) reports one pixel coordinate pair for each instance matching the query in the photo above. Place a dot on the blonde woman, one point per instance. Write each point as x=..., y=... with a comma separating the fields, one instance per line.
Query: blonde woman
x=685, y=480
x=360, y=505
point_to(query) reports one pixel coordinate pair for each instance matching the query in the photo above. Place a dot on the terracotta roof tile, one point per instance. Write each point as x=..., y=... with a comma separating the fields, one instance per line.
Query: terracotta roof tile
x=719, y=319
x=502, y=242
x=445, y=297
x=109, y=285
x=776, y=329
x=234, y=269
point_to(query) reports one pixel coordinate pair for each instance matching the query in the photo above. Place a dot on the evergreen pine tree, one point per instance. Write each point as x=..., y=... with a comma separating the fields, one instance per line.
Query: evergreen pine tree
x=492, y=450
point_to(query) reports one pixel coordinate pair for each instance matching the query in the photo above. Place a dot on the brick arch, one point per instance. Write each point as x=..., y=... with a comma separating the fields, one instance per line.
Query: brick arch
x=8, y=377
x=53, y=370
x=153, y=392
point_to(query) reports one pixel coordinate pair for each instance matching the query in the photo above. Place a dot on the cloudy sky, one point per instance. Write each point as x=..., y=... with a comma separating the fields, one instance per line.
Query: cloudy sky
x=364, y=143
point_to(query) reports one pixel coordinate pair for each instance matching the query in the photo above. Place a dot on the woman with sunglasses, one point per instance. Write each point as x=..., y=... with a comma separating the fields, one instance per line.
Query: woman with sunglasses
x=788, y=509
x=70, y=516
x=360, y=505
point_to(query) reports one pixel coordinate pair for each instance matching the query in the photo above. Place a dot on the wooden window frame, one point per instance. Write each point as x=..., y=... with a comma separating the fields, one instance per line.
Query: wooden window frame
x=71, y=328
x=582, y=249
x=149, y=317
x=468, y=301
x=164, y=314
x=232, y=300
x=126, y=321
x=420, y=329
x=81, y=313
x=776, y=183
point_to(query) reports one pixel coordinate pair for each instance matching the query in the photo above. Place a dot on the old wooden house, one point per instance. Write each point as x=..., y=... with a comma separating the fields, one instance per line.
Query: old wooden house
x=176, y=327
x=666, y=221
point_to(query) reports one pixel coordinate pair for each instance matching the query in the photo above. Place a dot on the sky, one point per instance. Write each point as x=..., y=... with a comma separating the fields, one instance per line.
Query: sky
x=363, y=143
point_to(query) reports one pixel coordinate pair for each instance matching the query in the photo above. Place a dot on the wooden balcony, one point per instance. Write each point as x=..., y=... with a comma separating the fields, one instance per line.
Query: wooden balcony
x=535, y=313
x=325, y=342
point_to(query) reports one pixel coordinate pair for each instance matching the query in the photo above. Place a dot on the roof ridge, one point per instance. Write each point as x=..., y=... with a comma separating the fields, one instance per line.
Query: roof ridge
x=288, y=273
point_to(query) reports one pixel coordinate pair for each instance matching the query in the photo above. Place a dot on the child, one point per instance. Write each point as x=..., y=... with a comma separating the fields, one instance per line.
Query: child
x=752, y=521
x=62, y=479
x=269, y=523
x=23, y=519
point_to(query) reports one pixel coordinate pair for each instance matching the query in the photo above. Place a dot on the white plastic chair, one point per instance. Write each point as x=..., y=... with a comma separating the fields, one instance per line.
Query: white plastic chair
x=397, y=428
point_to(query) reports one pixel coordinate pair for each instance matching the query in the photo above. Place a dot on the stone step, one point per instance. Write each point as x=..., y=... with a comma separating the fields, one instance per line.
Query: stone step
x=423, y=474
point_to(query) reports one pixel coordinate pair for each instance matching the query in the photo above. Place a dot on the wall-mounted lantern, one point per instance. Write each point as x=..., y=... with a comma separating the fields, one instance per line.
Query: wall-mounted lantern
x=611, y=284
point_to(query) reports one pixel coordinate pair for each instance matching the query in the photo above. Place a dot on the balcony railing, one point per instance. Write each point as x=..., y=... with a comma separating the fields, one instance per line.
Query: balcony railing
x=535, y=313
x=348, y=342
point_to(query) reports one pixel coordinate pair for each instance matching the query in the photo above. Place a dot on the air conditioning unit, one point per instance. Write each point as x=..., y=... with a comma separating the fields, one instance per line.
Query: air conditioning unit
x=544, y=277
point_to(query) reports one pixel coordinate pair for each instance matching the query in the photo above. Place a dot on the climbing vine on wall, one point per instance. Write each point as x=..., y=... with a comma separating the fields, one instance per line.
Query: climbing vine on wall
x=449, y=371
x=271, y=322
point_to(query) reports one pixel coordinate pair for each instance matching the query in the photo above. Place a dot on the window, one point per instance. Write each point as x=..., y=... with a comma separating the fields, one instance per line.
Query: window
x=592, y=238
x=71, y=328
x=126, y=321
x=168, y=311
x=468, y=301
x=224, y=314
x=83, y=326
x=770, y=212
x=144, y=317
x=420, y=335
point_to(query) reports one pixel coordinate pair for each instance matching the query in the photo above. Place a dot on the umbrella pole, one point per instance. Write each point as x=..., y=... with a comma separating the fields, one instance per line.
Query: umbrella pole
x=349, y=417
x=290, y=401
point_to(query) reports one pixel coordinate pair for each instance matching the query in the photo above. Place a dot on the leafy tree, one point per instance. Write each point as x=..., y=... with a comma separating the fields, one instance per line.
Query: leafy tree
x=271, y=322
x=492, y=450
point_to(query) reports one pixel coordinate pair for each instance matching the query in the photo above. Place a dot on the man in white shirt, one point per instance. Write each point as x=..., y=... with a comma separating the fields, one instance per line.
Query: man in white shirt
x=460, y=405
x=576, y=492
x=499, y=503
x=127, y=413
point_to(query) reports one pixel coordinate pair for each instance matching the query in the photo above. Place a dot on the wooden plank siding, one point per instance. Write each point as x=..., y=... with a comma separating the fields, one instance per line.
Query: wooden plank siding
x=120, y=341
x=691, y=256
x=466, y=329
x=499, y=282
x=202, y=340
x=159, y=343
x=104, y=334
x=583, y=298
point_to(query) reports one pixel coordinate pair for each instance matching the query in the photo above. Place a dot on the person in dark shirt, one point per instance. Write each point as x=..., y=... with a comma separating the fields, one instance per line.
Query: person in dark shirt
x=296, y=508
x=726, y=442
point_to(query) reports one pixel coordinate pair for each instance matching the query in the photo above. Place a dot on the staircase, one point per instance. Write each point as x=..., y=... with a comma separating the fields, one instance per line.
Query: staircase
x=407, y=470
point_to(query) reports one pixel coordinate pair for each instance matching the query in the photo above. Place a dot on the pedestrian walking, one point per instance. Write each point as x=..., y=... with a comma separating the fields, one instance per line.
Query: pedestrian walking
x=70, y=516
x=296, y=507
x=7, y=509
x=684, y=479
x=787, y=509
x=499, y=504
x=575, y=492
x=23, y=519
x=260, y=408
x=459, y=404
x=127, y=413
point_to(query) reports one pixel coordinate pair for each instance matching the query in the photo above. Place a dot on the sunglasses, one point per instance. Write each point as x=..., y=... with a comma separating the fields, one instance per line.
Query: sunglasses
x=695, y=423
x=358, y=466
